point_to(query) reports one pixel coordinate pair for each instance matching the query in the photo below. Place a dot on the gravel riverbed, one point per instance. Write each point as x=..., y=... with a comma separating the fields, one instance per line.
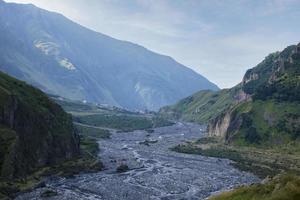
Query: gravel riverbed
x=155, y=171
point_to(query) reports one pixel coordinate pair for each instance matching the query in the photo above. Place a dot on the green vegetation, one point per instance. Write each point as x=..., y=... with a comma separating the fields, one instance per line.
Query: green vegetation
x=70, y=105
x=89, y=145
x=260, y=134
x=272, y=117
x=263, y=108
x=92, y=131
x=265, y=123
x=37, y=139
x=86, y=162
x=200, y=107
x=278, y=77
x=260, y=161
x=82, y=164
x=7, y=140
x=33, y=129
x=109, y=117
x=80, y=108
x=48, y=193
x=282, y=187
x=124, y=123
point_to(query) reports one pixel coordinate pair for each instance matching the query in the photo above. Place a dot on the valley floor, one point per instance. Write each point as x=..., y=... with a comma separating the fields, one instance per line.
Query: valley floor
x=156, y=171
x=260, y=161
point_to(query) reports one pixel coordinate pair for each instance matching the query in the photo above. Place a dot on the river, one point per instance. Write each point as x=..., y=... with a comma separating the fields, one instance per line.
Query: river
x=156, y=172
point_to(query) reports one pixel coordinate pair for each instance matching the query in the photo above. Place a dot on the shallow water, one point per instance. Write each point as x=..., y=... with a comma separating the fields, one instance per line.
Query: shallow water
x=156, y=172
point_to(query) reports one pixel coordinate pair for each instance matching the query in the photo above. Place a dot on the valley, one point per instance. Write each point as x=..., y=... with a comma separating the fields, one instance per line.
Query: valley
x=90, y=116
x=155, y=172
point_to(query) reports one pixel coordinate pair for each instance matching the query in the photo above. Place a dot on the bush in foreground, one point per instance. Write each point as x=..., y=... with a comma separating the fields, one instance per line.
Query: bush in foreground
x=281, y=187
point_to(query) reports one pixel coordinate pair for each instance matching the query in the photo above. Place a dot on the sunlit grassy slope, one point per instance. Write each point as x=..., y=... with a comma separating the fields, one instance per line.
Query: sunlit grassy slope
x=283, y=187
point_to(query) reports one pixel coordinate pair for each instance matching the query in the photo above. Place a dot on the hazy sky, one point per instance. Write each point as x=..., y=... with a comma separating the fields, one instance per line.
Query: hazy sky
x=218, y=39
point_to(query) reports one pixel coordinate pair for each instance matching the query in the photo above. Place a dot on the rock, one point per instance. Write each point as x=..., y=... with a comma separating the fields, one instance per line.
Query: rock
x=266, y=180
x=48, y=193
x=122, y=168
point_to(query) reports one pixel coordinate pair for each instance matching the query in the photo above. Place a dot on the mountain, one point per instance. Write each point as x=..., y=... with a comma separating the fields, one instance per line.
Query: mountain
x=199, y=107
x=262, y=110
x=34, y=131
x=61, y=57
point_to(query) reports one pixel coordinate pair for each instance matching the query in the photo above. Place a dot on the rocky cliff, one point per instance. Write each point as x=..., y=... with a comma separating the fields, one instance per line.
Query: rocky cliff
x=263, y=107
x=218, y=126
x=34, y=131
x=267, y=110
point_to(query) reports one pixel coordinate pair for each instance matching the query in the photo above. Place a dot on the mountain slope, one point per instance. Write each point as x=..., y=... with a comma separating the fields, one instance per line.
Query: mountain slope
x=200, y=107
x=271, y=116
x=64, y=58
x=263, y=109
x=34, y=131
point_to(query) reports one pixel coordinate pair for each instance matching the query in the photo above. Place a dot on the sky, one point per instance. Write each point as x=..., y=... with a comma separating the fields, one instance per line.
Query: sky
x=219, y=39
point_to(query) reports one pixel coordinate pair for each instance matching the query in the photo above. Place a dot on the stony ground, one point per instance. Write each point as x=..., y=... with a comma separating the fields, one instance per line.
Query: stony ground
x=155, y=171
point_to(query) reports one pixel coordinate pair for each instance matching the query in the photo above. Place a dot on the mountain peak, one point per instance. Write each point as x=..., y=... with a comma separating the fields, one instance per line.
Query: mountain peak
x=67, y=59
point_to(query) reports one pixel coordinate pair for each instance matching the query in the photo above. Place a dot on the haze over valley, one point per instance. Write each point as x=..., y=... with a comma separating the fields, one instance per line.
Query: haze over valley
x=84, y=115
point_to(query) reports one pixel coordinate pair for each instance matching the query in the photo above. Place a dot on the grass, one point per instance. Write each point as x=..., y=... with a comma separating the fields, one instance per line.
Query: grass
x=7, y=140
x=200, y=107
x=282, y=187
x=83, y=164
x=124, y=123
x=48, y=193
x=265, y=123
x=37, y=122
x=92, y=132
x=89, y=145
x=108, y=117
x=261, y=162
x=87, y=162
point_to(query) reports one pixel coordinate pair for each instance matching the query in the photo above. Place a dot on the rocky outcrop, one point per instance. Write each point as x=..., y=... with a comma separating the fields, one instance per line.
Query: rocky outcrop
x=276, y=81
x=218, y=127
x=34, y=131
x=250, y=77
x=241, y=96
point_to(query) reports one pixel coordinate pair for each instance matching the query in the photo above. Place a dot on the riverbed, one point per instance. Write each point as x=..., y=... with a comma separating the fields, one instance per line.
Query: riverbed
x=155, y=172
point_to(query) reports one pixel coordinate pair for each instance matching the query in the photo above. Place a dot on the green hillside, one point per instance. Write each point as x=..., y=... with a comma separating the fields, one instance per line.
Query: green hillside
x=263, y=123
x=272, y=116
x=37, y=139
x=261, y=115
x=259, y=130
x=34, y=130
x=284, y=187
x=97, y=117
x=200, y=107
x=262, y=109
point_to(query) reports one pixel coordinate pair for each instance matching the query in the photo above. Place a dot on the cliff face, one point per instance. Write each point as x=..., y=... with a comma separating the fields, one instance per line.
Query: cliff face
x=34, y=131
x=266, y=108
x=218, y=127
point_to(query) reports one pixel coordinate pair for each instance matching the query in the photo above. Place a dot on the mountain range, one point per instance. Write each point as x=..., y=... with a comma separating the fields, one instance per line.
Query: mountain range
x=262, y=110
x=64, y=58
